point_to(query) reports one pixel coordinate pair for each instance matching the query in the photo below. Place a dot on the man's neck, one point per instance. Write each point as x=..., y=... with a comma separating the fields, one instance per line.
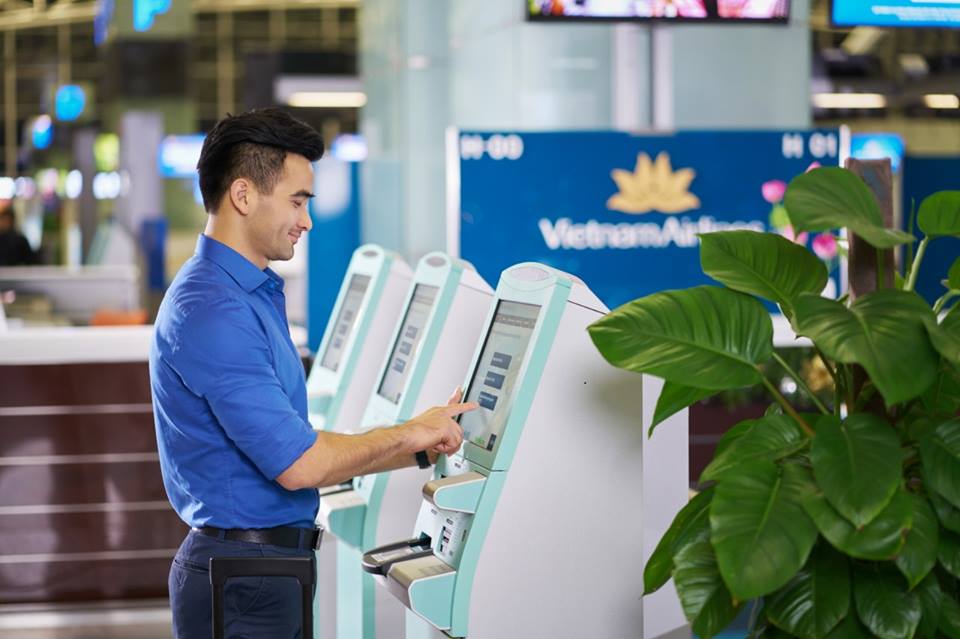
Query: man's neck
x=230, y=236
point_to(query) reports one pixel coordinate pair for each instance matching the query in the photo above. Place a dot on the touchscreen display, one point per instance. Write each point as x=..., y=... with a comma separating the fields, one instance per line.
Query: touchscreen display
x=407, y=345
x=345, y=321
x=492, y=383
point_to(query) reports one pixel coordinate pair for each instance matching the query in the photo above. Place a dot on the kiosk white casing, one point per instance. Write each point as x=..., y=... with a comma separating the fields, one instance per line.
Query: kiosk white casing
x=357, y=334
x=429, y=354
x=546, y=533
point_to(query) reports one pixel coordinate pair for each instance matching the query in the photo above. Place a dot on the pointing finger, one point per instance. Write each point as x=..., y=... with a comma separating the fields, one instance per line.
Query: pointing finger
x=456, y=409
x=456, y=397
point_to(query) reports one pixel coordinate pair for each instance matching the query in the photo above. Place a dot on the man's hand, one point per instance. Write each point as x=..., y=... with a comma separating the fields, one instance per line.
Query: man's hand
x=435, y=429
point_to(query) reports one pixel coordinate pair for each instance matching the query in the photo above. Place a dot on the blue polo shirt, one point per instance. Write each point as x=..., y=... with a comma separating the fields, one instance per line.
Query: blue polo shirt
x=229, y=395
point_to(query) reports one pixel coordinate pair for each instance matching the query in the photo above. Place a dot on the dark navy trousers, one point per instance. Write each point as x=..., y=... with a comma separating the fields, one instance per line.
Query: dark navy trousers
x=254, y=607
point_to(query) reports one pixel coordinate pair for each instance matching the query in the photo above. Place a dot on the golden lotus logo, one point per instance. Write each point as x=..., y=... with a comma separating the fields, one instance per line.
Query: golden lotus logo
x=653, y=186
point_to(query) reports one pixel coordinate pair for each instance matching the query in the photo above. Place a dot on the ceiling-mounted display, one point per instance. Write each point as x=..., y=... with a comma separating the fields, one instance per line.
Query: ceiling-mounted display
x=939, y=14
x=723, y=11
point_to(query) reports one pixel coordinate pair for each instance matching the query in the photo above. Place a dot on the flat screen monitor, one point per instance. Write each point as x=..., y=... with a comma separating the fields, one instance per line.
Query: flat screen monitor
x=941, y=14
x=407, y=344
x=496, y=373
x=663, y=10
x=346, y=320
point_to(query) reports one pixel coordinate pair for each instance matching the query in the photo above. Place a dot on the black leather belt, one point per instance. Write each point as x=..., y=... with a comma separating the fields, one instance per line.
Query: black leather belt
x=286, y=536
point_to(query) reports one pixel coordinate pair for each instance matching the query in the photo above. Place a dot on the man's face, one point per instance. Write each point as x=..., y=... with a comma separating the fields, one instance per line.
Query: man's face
x=279, y=218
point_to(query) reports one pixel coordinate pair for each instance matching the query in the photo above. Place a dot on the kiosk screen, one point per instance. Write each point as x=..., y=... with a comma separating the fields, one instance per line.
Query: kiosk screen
x=406, y=346
x=345, y=321
x=492, y=383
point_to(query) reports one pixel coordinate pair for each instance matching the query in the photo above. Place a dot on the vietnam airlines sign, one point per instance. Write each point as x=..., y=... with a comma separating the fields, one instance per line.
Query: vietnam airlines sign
x=623, y=212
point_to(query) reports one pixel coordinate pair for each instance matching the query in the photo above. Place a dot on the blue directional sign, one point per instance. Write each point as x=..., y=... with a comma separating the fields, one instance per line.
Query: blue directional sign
x=145, y=11
x=896, y=13
x=624, y=211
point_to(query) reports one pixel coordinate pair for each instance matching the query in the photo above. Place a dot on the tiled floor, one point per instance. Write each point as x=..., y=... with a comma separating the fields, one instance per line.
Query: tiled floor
x=143, y=620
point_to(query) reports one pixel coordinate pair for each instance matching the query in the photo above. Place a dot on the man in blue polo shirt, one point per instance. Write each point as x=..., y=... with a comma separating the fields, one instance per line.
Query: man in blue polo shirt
x=240, y=461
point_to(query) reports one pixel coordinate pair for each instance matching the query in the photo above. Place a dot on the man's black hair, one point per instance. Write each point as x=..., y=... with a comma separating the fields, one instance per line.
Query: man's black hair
x=252, y=145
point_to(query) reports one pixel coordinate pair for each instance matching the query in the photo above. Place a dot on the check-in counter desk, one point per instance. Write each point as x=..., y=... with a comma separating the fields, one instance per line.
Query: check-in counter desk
x=83, y=512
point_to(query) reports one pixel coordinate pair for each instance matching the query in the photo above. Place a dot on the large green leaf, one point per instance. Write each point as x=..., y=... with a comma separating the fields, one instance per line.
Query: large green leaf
x=832, y=198
x=857, y=465
x=883, y=331
x=943, y=396
x=948, y=515
x=940, y=453
x=758, y=526
x=763, y=264
x=850, y=628
x=881, y=539
x=950, y=617
x=919, y=553
x=931, y=599
x=674, y=398
x=768, y=438
x=712, y=335
x=949, y=552
x=945, y=337
x=705, y=599
x=939, y=214
x=953, y=275
x=816, y=599
x=692, y=518
x=884, y=605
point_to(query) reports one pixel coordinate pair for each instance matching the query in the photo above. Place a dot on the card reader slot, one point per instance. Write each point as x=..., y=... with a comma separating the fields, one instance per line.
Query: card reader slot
x=343, y=487
x=379, y=560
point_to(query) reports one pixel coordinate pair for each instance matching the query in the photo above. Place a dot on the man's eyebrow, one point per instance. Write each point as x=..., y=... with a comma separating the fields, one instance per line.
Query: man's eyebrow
x=303, y=193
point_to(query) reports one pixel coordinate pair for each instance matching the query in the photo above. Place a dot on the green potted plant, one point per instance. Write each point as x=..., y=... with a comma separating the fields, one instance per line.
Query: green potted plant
x=844, y=522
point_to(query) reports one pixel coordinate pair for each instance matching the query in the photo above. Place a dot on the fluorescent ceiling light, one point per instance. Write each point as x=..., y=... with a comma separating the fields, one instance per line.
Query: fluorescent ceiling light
x=328, y=99
x=849, y=100
x=941, y=101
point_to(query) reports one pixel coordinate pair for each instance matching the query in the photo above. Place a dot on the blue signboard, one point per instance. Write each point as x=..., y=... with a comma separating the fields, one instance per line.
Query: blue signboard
x=923, y=176
x=896, y=13
x=623, y=211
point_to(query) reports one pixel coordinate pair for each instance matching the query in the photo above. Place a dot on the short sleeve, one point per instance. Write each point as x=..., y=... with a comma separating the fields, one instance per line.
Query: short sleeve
x=224, y=356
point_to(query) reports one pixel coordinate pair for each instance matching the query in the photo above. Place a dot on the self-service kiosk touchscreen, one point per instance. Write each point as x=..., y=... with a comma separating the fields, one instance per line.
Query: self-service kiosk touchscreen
x=355, y=338
x=426, y=358
x=537, y=527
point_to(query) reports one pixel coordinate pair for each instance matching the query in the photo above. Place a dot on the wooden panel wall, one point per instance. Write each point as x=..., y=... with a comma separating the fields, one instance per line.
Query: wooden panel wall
x=83, y=512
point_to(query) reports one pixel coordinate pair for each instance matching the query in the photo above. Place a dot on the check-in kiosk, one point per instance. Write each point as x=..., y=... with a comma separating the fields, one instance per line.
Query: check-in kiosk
x=537, y=527
x=357, y=334
x=429, y=354
x=345, y=370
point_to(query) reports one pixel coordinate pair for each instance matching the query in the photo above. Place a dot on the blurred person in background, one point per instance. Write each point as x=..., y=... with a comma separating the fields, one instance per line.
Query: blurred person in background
x=14, y=248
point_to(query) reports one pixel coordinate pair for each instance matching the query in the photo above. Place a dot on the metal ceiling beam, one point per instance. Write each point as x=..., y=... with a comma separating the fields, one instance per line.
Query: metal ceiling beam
x=42, y=16
x=17, y=16
x=234, y=6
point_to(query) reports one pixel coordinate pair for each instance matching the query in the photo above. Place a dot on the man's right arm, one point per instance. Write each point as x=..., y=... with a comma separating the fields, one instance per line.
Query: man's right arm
x=334, y=458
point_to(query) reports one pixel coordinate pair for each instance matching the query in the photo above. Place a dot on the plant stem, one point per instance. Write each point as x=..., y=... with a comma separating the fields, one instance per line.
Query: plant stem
x=915, y=267
x=802, y=384
x=940, y=303
x=826, y=364
x=787, y=407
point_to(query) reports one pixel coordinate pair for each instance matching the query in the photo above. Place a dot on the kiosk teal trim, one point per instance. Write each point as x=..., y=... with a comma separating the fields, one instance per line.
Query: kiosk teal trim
x=356, y=529
x=447, y=279
x=551, y=294
x=374, y=262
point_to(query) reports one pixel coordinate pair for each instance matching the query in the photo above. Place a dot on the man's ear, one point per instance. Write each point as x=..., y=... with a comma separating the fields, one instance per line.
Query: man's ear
x=242, y=196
